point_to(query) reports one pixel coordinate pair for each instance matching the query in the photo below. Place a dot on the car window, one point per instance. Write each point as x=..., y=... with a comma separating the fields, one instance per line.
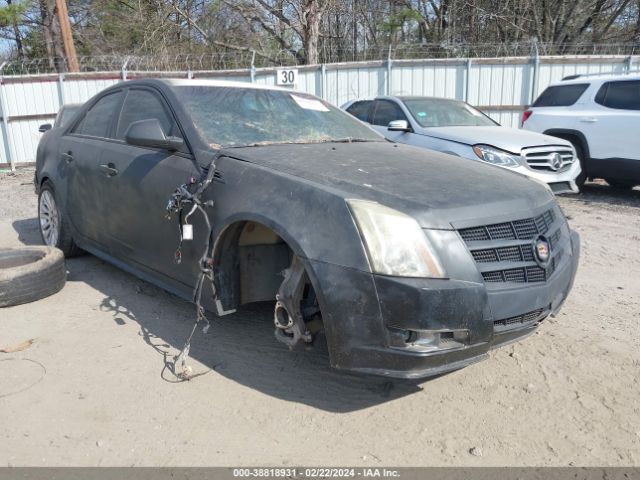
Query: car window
x=443, y=112
x=561, y=95
x=623, y=95
x=386, y=112
x=65, y=114
x=145, y=105
x=360, y=110
x=97, y=120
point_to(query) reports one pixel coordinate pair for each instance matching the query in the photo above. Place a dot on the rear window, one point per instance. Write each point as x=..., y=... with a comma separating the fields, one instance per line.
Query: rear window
x=623, y=95
x=360, y=110
x=561, y=95
x=97, y=120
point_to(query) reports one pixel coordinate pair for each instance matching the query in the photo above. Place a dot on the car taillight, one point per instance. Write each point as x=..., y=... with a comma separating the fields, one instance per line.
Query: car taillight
x=525, y=116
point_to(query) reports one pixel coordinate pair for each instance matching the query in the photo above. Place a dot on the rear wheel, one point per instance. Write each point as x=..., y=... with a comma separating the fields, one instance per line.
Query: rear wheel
x=54, y=227
x=580, y=179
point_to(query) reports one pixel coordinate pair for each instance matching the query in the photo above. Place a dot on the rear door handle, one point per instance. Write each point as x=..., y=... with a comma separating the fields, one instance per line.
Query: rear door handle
x=109, y=170
x=589, y=119
x=67, y=157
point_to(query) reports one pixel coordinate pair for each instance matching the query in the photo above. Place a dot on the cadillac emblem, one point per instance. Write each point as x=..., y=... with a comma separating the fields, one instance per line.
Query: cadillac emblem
x=542, y=250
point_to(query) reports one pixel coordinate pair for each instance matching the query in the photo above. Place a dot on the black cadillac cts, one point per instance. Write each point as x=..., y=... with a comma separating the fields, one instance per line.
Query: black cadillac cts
x=412, y=263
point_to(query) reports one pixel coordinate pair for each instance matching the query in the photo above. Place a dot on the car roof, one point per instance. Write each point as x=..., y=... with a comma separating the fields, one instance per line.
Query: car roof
x=196, y=82
x=600, y=77
x=401, y=98
x=424, y=97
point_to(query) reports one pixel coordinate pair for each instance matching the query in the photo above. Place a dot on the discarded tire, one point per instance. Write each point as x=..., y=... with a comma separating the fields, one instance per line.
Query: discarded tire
x=30, y=273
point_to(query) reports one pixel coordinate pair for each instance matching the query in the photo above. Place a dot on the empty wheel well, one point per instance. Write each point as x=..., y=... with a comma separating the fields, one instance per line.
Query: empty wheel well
x=250, y=258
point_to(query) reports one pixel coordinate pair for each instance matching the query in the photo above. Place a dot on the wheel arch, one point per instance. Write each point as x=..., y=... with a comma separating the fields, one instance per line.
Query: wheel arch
x=571, y=133
x=226, y=254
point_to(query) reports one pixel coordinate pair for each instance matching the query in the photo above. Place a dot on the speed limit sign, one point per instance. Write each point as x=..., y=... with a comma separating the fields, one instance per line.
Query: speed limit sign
x=287, y=76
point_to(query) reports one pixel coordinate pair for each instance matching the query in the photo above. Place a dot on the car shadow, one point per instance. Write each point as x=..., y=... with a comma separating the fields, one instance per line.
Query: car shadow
x=598, y=192
x=240, y=346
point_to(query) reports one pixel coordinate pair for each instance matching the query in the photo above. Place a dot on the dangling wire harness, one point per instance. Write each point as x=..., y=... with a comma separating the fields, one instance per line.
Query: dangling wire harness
x=190, y=194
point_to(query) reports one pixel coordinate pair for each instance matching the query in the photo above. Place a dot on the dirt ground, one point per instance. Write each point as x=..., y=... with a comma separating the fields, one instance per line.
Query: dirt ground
x=91, y=390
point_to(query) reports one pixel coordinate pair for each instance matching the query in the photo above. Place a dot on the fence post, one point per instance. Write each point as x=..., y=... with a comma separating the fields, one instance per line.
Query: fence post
x=252, y=71
x=323, y=81
x=5, y=122
x=389, y=66
x=536, y=67
x=468, y=80
x=123, y=69
x=61, y=100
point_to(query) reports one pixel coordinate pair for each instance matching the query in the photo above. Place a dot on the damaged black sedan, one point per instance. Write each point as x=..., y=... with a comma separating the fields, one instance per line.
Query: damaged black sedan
x=414, y=263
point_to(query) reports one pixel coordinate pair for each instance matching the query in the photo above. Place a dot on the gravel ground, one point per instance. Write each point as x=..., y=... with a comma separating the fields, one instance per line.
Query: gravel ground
x=92, y=389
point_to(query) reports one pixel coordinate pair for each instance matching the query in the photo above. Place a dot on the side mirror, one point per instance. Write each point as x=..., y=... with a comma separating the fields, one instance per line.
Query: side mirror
x=399, y=126
x=149, y=133
x=45, y=127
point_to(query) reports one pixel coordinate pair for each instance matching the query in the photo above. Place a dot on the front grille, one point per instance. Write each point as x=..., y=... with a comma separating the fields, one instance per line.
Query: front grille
x=518, y=249
x=526, y=229
x=552, y=158
x=518, y=320
x=532, y=274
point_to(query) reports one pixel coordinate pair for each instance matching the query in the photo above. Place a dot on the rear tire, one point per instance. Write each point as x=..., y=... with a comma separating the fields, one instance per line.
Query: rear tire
x=580, y=179
x=54, y=227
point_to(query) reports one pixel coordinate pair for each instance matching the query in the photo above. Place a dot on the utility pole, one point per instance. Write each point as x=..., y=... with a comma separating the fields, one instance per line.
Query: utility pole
x=67, y=37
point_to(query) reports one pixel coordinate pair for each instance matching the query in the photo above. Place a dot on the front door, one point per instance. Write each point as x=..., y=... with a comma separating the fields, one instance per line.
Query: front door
x=143, y=181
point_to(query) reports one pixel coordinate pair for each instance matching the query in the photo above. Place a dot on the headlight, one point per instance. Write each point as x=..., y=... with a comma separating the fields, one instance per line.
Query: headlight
x=395, y=243
x=496, y=157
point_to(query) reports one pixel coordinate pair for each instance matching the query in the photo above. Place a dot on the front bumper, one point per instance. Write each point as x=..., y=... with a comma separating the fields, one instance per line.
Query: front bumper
x=559, y=182
x=363, y=312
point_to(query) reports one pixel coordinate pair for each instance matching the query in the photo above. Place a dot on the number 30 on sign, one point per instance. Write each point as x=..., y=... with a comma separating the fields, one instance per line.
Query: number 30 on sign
x=288, y=76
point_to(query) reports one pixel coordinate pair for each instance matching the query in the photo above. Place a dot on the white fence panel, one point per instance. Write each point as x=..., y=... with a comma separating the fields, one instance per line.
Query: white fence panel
x=434, y=79
x=501, y=87
x=31, y=97
x=79, y=91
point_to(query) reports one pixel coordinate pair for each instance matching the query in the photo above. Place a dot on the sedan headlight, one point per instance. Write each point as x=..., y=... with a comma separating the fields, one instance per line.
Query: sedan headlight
x=495, y=156
x=395, y=243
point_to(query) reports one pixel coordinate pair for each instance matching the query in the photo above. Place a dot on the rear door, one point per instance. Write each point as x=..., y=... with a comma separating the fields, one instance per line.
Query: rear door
x=144, y=178
x=612, y=124
x=386, y=111
x=86, y=183
x=361, y=110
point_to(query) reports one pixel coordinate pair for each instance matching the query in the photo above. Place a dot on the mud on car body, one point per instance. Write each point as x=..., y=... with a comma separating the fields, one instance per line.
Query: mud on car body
x=415, y=264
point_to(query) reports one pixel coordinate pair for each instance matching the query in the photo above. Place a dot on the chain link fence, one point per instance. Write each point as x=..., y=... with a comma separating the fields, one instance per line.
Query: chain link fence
x=245, y=59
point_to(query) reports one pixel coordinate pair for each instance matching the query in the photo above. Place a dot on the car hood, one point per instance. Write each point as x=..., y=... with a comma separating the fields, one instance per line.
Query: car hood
x=437, y=189
x=510, y=139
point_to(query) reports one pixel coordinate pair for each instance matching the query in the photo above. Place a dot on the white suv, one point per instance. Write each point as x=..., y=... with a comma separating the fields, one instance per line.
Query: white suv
x=600, y=116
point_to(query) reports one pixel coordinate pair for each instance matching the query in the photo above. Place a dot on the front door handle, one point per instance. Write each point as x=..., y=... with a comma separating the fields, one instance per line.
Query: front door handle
x=109, y=169
x=588, y=119
x=67, y=157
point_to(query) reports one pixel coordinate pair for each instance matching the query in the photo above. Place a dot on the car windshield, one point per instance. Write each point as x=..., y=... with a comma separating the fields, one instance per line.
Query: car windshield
x=440, y=112
x=233, y=117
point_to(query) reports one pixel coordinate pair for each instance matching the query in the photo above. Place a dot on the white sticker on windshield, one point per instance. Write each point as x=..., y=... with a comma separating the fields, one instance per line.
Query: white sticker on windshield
x=310, y=103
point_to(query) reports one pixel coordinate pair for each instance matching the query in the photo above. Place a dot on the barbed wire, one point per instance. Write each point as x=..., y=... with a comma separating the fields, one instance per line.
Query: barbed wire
x=245, y=59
